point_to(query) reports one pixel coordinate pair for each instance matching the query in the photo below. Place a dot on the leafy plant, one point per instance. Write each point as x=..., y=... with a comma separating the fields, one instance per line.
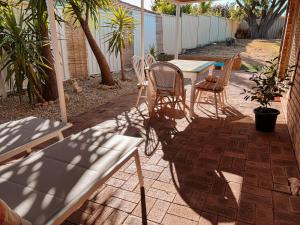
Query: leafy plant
x=20, y=54
x=153, y=51
x=168, y=7
x=268, y=84
x=122, y=24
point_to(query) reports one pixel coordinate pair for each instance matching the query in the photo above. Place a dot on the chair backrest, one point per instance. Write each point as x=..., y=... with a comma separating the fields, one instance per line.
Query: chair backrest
x=228, y=69
x=139, y=69
x=149, y=59
x=224, y=79
x=167, y=79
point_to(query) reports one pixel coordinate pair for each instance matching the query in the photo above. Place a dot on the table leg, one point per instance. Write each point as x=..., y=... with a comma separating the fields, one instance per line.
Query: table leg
x=192, y=98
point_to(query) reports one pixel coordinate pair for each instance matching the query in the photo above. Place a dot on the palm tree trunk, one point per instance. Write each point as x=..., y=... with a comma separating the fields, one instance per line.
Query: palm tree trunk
x=106, y=75
x=122, y=65
x=50, y=91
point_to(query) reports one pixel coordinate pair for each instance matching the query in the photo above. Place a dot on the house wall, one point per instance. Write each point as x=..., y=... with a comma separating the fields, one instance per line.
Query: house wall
x=290, y=56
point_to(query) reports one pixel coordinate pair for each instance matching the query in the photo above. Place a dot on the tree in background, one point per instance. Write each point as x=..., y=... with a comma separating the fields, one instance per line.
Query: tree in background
x=203, y=8
x=122, y=24
x=82, y=11
x=267, y=11
x=168, y=7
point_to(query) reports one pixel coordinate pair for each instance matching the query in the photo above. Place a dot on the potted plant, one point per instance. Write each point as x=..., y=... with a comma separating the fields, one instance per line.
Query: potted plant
x=268, y=86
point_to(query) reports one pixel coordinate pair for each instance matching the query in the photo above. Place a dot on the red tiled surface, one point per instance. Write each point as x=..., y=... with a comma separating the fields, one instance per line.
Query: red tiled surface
x=202, y=171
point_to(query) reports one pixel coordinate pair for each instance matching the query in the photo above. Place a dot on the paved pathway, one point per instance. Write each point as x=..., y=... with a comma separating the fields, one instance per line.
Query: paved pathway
x=203, y=171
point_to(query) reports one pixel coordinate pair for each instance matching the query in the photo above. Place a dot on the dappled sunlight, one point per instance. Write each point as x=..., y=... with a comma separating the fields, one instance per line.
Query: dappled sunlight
x=20, y=136
x=23, y=207
x=232, y=177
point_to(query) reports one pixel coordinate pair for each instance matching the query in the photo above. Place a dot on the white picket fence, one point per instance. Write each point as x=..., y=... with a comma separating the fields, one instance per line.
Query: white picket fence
x=196, y=31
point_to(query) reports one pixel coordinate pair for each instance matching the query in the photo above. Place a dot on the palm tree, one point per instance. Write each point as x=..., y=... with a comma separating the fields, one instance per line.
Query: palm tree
x=122, y=25
x=82, y=11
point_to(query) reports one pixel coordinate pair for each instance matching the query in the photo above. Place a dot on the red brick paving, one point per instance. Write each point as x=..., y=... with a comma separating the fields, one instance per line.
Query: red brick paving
x=202, y=171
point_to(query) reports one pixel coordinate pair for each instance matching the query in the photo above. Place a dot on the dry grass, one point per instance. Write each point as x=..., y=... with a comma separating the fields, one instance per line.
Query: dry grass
x=252, y=52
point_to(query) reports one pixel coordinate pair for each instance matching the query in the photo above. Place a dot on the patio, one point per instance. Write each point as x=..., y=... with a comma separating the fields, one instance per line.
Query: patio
x=203, y=171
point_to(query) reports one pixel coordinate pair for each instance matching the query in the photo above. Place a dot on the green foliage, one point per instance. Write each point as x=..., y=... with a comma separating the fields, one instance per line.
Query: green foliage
x=122, y=25
x=268, y=84
x=85, y=9
x=202, y=8
x=236, y=12
x=231, y=11
x=169, y=8
x=260, y=8
x=20, y=54
x=153, y=51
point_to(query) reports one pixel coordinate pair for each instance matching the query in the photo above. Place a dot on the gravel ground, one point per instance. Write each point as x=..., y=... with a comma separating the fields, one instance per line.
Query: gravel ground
x=92, y=96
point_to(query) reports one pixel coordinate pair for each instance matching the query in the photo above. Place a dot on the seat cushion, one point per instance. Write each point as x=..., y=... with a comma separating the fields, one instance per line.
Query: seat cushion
x=211, y=79
x=208, y=86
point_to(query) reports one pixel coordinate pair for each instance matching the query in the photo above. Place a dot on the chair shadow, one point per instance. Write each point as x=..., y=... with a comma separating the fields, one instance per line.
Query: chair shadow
x=194, y=155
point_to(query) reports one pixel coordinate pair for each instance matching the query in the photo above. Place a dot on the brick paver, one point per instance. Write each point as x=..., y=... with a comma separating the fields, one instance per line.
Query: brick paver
x=202, y=171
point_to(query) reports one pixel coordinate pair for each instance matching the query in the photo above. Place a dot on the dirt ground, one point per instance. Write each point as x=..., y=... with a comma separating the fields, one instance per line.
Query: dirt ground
x=252, y=52
x=93, y=94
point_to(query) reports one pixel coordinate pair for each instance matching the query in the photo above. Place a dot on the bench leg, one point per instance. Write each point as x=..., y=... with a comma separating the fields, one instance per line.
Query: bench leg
x=60, y=136
x=29, y=150
x=139, y=168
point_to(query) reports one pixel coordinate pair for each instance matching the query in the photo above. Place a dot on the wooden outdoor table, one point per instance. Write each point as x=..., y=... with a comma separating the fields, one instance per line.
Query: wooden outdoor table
x=193, y=69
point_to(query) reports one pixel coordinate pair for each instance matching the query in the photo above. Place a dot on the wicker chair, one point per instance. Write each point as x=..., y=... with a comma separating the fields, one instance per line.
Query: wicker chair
x=168, y=84
x=149, y=60
x=217, y=84
x=140, y=73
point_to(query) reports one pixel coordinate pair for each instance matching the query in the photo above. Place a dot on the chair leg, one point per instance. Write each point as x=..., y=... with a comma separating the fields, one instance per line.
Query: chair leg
x=139, y=96
x=225, y=94
x=223, y=99
x=220, y=100
x=184, y=106
x=139, y=168
x=216, y=104
x=60, y=136
x=196, y=94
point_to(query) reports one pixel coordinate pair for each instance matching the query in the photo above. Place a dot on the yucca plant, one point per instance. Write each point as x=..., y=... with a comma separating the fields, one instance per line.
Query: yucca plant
x=122, y=24
x=19, y=53
x=38, y=16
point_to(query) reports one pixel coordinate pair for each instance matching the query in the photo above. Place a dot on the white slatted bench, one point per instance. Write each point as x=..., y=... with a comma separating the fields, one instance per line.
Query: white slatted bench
x=22, y=135
x=46, y=187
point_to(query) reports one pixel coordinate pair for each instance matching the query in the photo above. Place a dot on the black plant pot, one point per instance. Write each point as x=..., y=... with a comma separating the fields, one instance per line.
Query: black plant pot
x=265, y=119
